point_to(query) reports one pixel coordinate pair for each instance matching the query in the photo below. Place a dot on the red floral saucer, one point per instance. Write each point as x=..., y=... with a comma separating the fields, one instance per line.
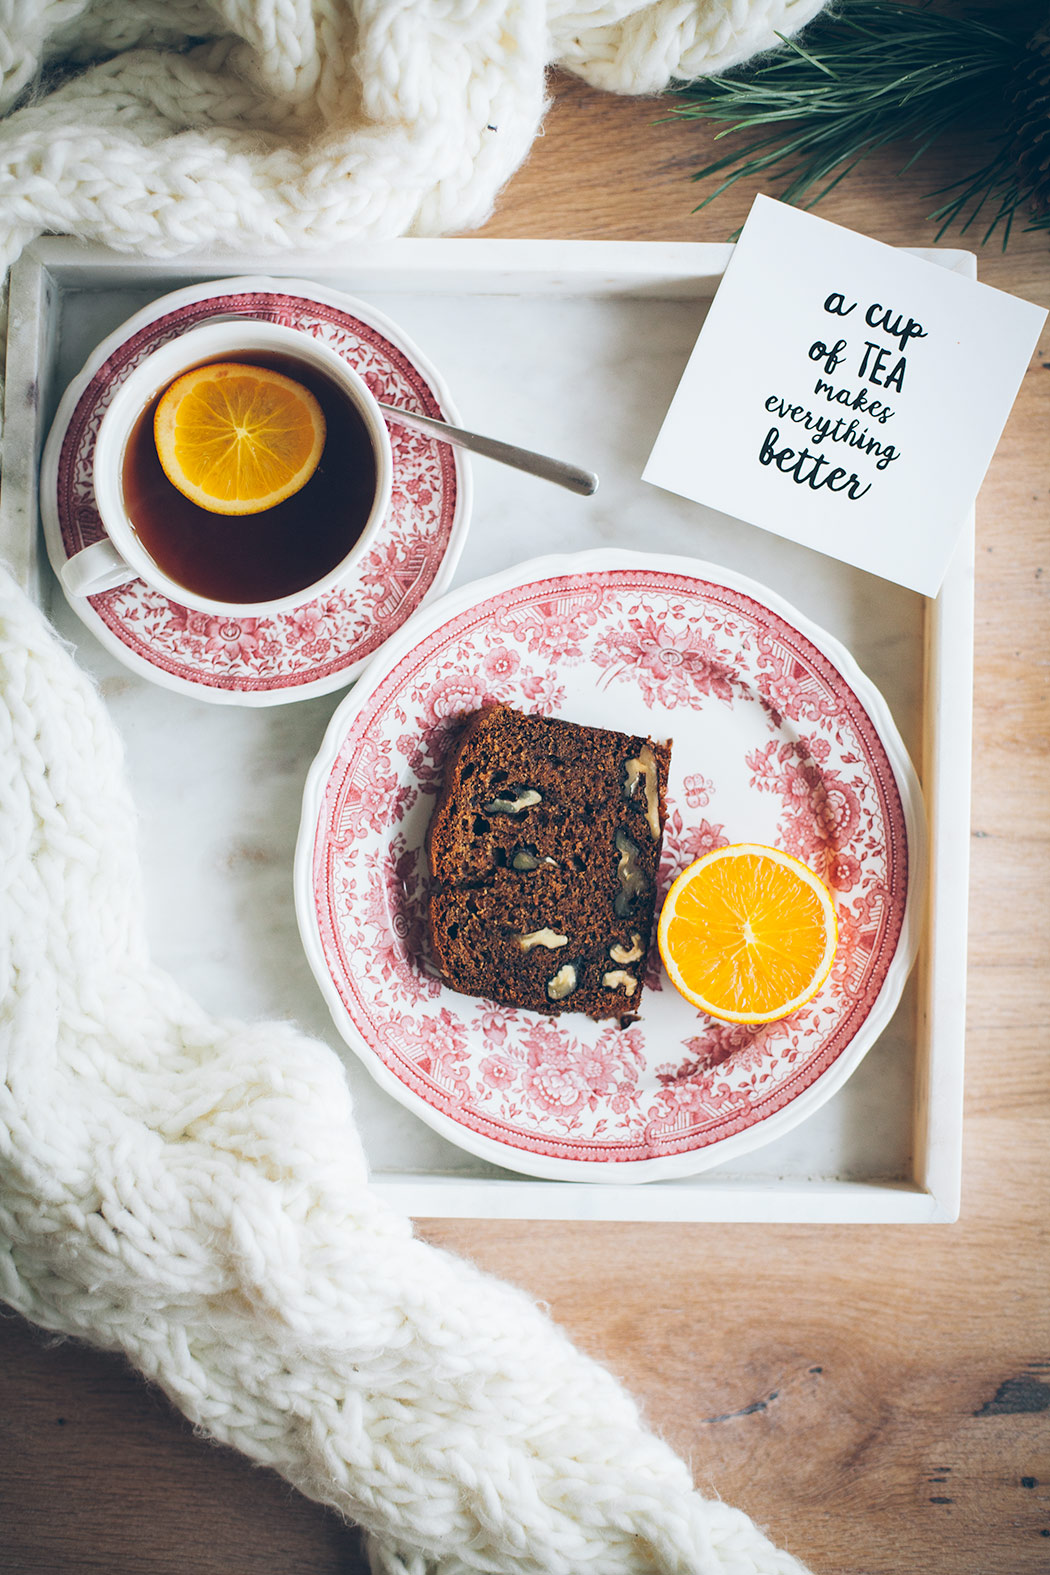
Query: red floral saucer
x=778, y=738
x=308, y=650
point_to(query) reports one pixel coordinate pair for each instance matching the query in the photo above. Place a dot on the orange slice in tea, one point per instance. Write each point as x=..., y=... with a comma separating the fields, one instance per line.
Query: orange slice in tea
x=238, y=439
x=747, y=933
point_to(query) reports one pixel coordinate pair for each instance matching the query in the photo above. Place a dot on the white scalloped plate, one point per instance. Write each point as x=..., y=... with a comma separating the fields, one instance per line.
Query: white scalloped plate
x=778, y=738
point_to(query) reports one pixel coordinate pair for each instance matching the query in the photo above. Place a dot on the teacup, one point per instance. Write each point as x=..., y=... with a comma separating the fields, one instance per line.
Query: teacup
x=245, y=564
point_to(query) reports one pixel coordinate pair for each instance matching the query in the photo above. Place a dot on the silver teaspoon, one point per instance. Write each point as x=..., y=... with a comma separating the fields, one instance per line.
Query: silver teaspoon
x=582, y=481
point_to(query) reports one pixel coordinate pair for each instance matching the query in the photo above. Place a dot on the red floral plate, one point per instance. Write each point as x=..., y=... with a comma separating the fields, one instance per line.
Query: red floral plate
x=778, y=738
x=324, y=644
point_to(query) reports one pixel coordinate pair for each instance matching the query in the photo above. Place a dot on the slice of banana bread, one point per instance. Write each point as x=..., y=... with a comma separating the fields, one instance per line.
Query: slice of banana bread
x=544, y=848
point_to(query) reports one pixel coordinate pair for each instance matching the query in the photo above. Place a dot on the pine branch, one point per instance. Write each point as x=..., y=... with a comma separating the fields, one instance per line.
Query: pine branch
x=861, y=76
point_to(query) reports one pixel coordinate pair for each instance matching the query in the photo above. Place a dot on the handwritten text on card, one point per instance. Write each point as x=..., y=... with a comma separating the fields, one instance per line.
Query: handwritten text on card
x=845, y=395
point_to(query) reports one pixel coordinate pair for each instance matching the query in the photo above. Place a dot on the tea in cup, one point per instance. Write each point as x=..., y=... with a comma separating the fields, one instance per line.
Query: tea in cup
x=232, y=562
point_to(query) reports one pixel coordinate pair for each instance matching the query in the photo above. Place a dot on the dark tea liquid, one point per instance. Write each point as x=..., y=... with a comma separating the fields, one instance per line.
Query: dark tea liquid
x=257, y=557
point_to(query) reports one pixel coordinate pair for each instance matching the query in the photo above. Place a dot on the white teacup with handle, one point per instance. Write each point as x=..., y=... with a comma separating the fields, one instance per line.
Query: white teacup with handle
x=121, y=556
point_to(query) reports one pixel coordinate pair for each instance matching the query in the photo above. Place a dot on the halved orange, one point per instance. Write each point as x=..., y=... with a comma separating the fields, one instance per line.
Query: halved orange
x=237, y=439
x=747, y=933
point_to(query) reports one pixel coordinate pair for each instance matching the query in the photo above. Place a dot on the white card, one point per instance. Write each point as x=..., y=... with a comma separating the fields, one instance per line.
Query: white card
x=846, y=395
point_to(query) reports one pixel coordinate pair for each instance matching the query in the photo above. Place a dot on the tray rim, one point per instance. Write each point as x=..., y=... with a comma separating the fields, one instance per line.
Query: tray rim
x=678, y=270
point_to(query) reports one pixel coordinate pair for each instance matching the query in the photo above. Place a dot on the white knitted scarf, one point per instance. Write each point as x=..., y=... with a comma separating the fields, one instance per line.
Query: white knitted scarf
x=193, y=1192
x=306, y=123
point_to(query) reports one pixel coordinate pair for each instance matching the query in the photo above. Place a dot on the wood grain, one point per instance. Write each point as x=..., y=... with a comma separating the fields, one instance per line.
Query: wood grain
x=879, y=1398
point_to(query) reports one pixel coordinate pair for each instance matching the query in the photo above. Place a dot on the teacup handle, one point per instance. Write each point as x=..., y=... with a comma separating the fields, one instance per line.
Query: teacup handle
x=99, y=567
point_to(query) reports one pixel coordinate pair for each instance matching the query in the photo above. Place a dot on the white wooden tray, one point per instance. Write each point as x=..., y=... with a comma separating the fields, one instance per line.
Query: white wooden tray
x=574, y=348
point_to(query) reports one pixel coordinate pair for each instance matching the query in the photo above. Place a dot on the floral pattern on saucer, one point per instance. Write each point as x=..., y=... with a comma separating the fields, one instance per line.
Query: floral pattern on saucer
x=325, y=643
x=771, y=744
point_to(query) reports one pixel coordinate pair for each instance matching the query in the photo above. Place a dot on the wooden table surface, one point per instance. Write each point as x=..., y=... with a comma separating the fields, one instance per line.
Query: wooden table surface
x=877, y=1397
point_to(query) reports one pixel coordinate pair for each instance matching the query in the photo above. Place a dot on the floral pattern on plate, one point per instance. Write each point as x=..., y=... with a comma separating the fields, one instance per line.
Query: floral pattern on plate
x=325, y=643
x=771, y=744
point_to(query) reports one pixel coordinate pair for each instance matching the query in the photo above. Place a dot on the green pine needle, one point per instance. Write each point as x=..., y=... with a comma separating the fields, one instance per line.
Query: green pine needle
x=862, y=75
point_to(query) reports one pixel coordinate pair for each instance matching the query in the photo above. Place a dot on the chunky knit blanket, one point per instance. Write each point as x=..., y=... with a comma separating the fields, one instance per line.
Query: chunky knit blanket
x=309, y=122
x=191, y=1191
